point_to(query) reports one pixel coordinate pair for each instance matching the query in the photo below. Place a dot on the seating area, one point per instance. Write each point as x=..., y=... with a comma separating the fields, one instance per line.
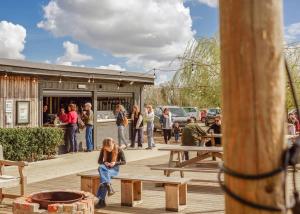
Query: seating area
x=9, y=181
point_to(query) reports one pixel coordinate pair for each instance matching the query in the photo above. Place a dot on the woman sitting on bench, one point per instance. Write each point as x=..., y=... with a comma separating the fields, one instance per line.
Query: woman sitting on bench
x=110, y=158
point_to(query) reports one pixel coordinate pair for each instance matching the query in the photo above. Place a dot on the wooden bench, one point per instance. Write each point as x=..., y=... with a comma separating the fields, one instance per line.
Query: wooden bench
x=175, y=189
x=89, y=181
x=7, y=181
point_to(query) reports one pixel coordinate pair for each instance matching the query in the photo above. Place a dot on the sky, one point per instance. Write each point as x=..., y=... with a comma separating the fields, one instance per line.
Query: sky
x=133, y=35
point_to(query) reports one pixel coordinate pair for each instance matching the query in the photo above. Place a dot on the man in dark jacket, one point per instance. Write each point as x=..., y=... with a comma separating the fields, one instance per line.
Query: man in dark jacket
x=191, y=135
x=216, y=129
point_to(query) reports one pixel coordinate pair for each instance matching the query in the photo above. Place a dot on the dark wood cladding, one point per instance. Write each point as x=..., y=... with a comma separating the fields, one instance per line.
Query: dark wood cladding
x=19, y=88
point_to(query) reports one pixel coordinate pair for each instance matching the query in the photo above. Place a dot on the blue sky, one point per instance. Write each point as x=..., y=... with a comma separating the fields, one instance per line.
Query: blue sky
x=69, y=41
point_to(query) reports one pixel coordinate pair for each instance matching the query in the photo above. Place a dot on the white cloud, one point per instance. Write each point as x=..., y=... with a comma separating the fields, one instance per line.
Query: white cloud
x=12, y=40
x=72, y=54
x=292, y=32
x=112, y=67
x=210, y=3
x=146, y=32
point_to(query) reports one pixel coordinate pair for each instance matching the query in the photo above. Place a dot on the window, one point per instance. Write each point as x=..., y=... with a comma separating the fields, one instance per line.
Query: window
x=110, y=103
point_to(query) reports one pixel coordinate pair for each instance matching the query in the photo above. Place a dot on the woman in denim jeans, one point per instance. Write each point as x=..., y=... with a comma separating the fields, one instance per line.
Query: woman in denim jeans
x=110, y=158
x=149, y=116
x=121, y=115
x=138, y=126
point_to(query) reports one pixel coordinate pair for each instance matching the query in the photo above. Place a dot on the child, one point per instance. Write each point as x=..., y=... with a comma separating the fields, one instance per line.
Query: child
x=177, y=130
x=110, y=158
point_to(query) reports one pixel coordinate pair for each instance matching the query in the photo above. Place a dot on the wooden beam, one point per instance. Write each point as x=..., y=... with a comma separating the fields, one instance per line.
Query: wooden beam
x=253, y=85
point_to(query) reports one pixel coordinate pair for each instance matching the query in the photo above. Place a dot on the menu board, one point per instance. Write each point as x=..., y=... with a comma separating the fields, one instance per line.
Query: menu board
x=23, y=112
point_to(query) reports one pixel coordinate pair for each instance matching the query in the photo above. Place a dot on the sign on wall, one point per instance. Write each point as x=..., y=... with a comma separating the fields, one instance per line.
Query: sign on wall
x=23, y=112
x=9, y=111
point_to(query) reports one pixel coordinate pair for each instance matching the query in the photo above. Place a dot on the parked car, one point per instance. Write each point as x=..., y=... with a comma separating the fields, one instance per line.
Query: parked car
x=178, y=115
x=211, y=114
x=192, y=112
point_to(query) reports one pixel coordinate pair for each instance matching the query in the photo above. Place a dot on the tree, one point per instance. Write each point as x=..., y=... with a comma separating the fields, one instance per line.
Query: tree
x=198, y=83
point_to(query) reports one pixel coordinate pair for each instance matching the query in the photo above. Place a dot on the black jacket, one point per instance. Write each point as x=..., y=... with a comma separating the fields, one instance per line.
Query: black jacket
x=120, y=118
x=120, y=158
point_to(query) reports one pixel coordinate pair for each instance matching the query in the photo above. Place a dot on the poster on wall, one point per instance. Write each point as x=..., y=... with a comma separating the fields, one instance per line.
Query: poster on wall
x=9, y=111
x=23, y=112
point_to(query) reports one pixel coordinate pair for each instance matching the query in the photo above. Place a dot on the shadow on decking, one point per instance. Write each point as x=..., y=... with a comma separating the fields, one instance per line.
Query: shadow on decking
x=199, y=188
x=117, y=209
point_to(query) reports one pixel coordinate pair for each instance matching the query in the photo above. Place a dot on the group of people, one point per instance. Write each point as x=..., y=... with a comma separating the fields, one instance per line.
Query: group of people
x=112, y=156
x=193, y=133
x=138, y=118
x=74, y=120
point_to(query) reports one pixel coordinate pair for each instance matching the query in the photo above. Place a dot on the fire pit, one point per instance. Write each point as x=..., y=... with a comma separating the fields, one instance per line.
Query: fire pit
x=57, y=197
x=55, y=202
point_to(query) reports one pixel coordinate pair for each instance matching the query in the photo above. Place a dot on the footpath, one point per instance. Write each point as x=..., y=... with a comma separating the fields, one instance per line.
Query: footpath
x=69, y=164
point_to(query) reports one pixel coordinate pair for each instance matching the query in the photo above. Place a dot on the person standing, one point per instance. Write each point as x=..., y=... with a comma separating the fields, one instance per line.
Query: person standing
x=110, y=158
x=46, y=117
x=63, y=117
x=121, y=122
x=149, y=117
x=88, y=118
x=72, y=127
x=293, y=120
x=137, y=122
x=166, y=124
x=177, y=130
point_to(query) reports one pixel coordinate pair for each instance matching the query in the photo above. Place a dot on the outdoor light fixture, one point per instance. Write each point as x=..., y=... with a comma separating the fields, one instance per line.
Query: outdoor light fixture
x=131, y=83
x=33, y=80
x=5, y=75
x=89, y=80
x=60, y=81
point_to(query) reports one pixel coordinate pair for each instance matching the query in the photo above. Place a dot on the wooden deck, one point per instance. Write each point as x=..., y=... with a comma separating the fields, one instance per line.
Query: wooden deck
x=205, y=197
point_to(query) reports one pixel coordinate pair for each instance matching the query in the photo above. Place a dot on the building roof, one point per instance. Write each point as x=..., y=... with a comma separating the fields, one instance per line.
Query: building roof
x=44, y=69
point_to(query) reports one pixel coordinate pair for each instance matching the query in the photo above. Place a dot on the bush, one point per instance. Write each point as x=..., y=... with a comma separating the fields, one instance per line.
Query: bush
x=30, y=144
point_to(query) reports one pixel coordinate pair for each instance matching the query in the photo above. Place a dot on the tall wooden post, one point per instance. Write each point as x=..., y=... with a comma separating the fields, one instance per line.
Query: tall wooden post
x=253, y=81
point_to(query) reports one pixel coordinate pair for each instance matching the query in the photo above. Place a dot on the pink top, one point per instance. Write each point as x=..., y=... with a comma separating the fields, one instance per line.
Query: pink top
x=63, y=118
x=72, y=117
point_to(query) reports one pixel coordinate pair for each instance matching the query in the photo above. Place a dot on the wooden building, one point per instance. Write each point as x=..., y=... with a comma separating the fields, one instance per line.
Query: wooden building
x=26, y=86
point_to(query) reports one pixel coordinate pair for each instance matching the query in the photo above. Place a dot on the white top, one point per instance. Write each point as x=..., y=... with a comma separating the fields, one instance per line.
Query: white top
x=149, y=116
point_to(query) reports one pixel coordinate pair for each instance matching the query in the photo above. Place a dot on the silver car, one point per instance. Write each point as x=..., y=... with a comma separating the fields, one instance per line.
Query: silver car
x=192, y=112
x=178, y=115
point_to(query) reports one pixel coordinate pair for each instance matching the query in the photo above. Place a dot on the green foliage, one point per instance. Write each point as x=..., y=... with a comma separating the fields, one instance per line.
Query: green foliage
x=198, y=83
x=30, y=144
x=292, y=54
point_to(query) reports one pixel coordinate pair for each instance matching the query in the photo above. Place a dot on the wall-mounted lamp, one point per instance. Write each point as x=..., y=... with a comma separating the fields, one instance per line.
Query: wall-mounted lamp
x=60, y=81
x=131, y=83
x=5, y=75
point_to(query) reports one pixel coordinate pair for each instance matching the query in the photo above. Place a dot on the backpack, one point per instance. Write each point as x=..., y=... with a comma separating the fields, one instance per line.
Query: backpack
x=125, y=120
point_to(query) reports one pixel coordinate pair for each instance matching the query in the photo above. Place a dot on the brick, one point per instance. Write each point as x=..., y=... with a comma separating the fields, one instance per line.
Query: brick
x=81, y=206
x=69, y=208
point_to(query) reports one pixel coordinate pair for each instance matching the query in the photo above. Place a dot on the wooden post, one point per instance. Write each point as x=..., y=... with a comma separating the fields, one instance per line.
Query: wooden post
x=253, y=80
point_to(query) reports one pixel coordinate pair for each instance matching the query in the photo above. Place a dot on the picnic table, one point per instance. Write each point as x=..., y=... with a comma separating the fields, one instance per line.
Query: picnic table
x=202, y=153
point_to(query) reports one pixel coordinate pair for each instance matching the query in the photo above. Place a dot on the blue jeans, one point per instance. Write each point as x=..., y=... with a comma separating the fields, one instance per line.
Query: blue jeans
x=105, y=177
x=121, y=136
x=139, y=133
x=72, y=128
x=176, y=135
x=150, y=127
x=89, y=138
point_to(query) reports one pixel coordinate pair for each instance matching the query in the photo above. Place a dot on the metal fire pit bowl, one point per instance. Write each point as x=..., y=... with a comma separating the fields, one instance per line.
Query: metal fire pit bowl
x=56, y=197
